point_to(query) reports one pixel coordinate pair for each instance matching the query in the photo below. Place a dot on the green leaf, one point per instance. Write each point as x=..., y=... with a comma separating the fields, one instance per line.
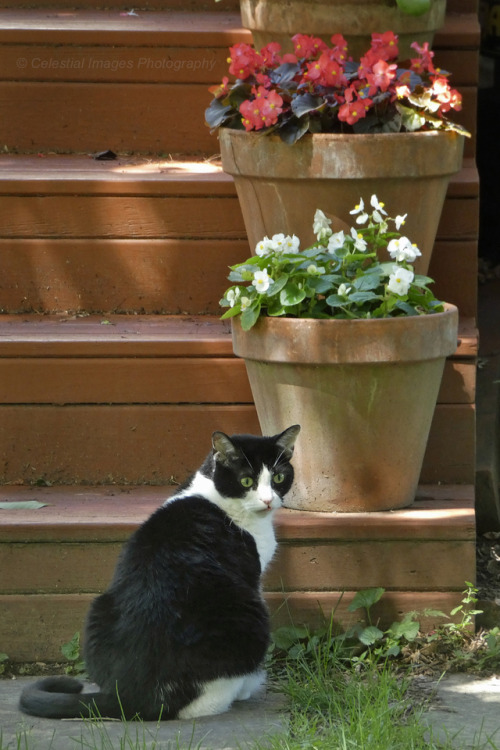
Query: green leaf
x=286, y=637
x=370, y=635
x=250, y=316
x=411, y=119
x=71, y=650
x=367, y=281
x=296, y=651
x=334, y=300
x=294, y=129
x=277, y=285
x=285, y=73
x=405, y=629
x=216, y=113
x=361, y=297
x=366, y=598
x=232, y=312
x=414, y=7
x=302, y=104
x=22, y=505
x=291, y=295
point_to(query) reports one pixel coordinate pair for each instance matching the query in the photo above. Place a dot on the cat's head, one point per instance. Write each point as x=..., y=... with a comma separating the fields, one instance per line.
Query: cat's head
x=255, y=469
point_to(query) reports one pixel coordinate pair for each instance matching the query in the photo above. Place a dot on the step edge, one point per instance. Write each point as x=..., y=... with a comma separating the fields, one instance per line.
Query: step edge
x=440, y=512
x=17, y=341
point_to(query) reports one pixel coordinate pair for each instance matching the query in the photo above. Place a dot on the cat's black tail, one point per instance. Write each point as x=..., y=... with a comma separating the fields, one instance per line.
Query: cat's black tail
x=62, y=698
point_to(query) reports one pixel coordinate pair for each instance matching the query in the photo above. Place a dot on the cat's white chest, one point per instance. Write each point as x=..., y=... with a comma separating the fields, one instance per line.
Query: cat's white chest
x=258, y=523
x=262, y=530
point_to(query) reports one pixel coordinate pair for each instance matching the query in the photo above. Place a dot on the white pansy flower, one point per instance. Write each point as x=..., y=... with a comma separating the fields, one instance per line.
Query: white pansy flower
x=245, y=302
x=261, y=281
x=399, y=221
x=343, y=290
x=400, y=280
x=292, y=244
x=265, y=247
x=359, y=242
x=232, y=296
x=377, y=205
x=315, y=270
x=321, y=225
x=403, y=249
x=336, y=242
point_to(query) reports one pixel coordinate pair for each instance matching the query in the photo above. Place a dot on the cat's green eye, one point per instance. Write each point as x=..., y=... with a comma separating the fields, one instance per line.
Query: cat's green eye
x=279, y=478
x=246, y=481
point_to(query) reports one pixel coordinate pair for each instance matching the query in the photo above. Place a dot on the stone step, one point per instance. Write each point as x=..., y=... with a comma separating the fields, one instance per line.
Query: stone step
x=105, y=399
x=125, y=236
x=54, y=560
x=95, y=80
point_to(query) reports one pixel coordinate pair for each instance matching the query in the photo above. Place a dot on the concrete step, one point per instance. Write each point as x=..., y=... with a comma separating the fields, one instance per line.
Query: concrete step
x=104, y=400
x=54, y=560
x=92, y=80
x=124, y=236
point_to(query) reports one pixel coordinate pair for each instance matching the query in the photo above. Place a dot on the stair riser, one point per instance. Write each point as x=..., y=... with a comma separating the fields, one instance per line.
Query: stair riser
x=309, y=566
x=151, y=444
x=152, y=276
x=134, y=380
x=161, y=64
x=139, y=118
x=51, y=620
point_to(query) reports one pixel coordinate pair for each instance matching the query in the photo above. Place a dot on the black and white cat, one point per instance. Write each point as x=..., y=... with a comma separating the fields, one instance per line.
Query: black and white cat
x=183, y=630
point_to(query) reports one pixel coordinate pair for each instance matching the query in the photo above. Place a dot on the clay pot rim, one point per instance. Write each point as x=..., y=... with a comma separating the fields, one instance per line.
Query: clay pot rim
x=353, y=341
x=424, y=153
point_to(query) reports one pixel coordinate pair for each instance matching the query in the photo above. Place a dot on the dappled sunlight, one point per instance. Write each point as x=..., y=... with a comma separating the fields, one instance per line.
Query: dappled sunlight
x=171, y=167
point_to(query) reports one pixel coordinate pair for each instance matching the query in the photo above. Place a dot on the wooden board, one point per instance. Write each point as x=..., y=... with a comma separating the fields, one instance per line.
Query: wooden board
x=51, y=620
x=160, y=380
x=331, y=565
x=151, y=444
x=124, y=275
x=81, y=117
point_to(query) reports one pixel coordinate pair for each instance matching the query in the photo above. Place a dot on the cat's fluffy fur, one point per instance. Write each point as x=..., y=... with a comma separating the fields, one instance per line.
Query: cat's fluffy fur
x=183, y=630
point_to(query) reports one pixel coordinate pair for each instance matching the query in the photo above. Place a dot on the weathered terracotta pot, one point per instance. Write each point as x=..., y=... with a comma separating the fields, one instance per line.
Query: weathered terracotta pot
x=279, y=20
x=280, y=186
x=364, y=393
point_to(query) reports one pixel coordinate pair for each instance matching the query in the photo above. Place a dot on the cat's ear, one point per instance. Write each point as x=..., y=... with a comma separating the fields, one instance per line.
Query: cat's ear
x=224, y=450
x=286, y=440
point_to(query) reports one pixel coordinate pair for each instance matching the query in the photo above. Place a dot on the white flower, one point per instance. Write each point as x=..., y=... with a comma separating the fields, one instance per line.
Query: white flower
x=402, y=249
x=400, y=280
x=232, y=296
x=321, y=225
x=261, y=281
x=245, y=302
x=292, y=244
x=399, y=221
x=266, y=246
x=278, y=241
x=336, y=242
x=359, y=208
x=359, y=212
x=315, y=270
x=343, y=290
x=359, y=242
x=378, y=206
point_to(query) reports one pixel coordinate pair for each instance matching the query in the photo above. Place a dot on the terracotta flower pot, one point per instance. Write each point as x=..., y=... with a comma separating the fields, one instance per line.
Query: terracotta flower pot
x=280, y=186
x=364, y=393
x=279, y=20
